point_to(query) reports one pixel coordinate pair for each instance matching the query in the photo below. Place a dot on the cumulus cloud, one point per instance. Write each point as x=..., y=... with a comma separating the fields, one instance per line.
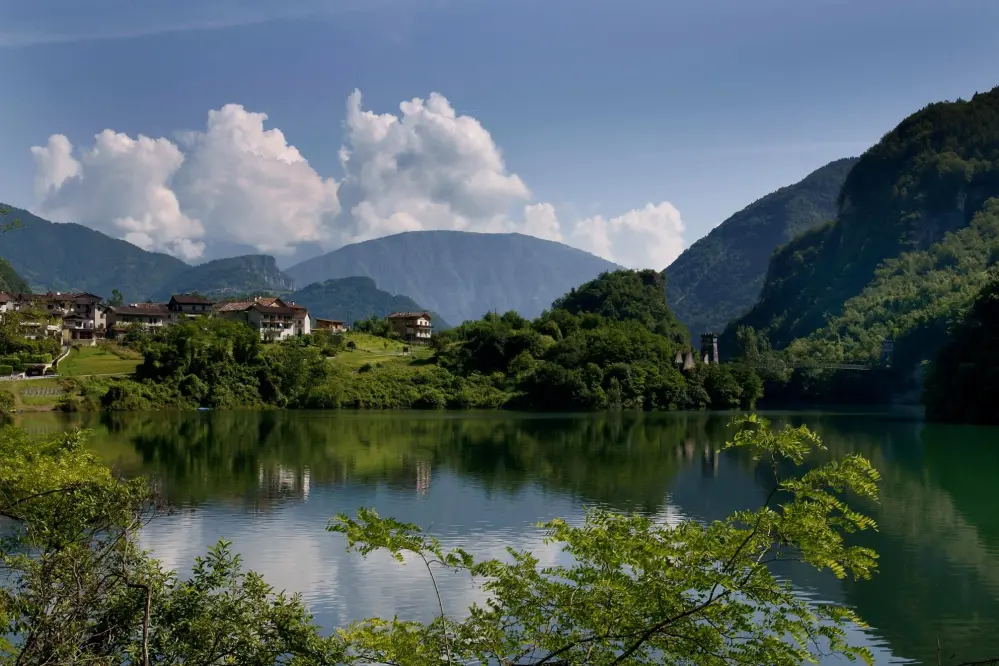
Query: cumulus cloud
x=239, y=183
x=250, y=187
x=120, y=187
x=650, y=237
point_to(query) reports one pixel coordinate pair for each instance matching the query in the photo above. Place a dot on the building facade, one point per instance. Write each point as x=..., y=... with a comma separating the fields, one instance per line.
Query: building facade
x=332, y=325
x=272, y=317
x=412, y=326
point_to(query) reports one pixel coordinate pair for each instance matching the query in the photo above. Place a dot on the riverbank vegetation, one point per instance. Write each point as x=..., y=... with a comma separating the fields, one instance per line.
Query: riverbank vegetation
x=611, y=343
x=638, y=592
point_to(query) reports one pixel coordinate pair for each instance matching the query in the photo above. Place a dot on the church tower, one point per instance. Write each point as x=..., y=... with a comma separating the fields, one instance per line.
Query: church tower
x=709, y=348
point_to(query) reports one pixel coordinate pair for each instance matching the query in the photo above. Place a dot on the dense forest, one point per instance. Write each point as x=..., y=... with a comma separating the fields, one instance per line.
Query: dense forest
x=963, y=382
x=719, y=277
x=930, y=176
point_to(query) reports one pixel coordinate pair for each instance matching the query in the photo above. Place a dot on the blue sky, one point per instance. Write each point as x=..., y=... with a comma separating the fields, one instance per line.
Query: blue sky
x=599, y=107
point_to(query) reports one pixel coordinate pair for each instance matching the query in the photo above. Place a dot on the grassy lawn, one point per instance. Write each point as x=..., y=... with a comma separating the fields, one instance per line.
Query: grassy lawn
x=104, y=359
x=374, y=350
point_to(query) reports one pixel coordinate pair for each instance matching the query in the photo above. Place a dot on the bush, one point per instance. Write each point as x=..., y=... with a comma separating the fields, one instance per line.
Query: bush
x=6, y=369
x=6, y=402
x=36, y=358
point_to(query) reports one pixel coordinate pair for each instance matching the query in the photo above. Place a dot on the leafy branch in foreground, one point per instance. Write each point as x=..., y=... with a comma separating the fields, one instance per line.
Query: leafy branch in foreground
x=645, y=592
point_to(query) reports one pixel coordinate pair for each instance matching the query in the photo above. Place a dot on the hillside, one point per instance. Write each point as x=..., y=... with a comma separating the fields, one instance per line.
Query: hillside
x=914, y=298
x=353, y=298
x=719, y=277
x=71, y=257
x=635, y=296
x=963, y=383
x=227, y=277
x=462, y=275
x=929, y=176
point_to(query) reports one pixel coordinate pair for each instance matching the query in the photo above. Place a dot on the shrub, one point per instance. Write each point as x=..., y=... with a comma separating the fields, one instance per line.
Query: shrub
x=6, y=402
x=6, y=369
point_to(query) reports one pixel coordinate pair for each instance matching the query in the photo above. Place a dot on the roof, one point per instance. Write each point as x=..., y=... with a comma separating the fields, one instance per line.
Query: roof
x=142, y=309
x=4, y=297
x=409, y=315
x=274, y=309
x=328, y=321
x=234, y=306
x=189, y=299
x=59, y=296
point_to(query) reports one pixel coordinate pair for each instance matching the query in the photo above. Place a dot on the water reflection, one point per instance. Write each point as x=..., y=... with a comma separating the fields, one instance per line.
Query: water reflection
x=270, y=481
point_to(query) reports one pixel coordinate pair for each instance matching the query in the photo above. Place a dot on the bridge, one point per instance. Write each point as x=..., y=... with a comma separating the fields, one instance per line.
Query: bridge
x=813, y=365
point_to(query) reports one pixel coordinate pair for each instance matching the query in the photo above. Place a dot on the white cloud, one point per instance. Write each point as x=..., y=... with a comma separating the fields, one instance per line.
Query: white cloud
x=250, y=187
x=237, y=183
x=120, y=187
x=650, y=237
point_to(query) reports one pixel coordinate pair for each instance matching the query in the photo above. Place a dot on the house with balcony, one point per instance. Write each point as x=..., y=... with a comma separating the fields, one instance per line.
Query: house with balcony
x=73, y=316
x=413, y=327
x=275, y=319
x=146, y=315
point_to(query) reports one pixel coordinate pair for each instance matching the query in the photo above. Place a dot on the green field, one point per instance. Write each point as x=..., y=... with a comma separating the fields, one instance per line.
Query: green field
x=103, y=359
x=377, y=351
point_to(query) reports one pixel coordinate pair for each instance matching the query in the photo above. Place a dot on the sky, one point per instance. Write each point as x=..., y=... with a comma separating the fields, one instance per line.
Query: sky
x=208, y=128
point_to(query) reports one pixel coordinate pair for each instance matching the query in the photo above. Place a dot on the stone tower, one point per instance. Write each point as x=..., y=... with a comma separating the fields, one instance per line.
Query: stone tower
x=709, y=348
x=887, y=353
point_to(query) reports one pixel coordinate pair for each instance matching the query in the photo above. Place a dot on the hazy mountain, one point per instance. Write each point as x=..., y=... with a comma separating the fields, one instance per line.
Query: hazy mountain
x=719, y=277
x=71, y=257
x=462, y=275
x=353, y=298
x=225, y=277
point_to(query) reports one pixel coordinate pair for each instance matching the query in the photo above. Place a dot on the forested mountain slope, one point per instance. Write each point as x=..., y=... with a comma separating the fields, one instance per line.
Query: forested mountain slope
x=71, y=257
x=719, y=277
x=223, y=277
x=929, y=176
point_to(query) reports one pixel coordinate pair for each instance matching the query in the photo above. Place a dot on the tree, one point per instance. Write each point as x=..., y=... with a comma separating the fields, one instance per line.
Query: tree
x=116, y=299
x=78, y=590
x=642, y=592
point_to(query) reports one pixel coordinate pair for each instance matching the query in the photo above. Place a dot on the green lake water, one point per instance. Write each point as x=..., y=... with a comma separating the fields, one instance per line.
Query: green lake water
x=269, y=482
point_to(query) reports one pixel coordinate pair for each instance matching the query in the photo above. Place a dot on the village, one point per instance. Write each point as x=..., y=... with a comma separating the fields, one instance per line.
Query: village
x=81, y=319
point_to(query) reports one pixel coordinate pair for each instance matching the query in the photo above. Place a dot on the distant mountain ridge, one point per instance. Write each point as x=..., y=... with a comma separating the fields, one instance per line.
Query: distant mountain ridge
x=72, y=257
x=458, y=275
x=462, y=275
x=232, y=275
x=719, y=277
x=353, y=298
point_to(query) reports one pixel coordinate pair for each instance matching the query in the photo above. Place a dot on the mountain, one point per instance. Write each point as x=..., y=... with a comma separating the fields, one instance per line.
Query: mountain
x=353, y=298
x=929, y=176
x=719, y=278
x=462, y=275
x=10, y=281
x=71, y=257
x=915, y=299
x=226, y=277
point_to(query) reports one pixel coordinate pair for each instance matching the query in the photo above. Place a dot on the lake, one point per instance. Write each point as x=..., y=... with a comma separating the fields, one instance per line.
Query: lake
x=269, y=482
